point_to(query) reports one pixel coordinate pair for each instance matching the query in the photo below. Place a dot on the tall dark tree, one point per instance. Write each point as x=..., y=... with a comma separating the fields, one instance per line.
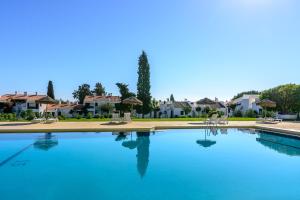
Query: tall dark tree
x=125, y=93
x=172, y=99
x=143, y=85
x=50, y=90
x=99, y=90
x=83, y=91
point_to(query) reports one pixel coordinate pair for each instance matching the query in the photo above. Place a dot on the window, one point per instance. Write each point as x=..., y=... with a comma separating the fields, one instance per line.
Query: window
x=181, y=113
x=32, y=106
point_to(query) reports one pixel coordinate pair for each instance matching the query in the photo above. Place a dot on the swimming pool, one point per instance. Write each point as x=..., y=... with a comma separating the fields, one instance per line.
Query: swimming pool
x=173, y=164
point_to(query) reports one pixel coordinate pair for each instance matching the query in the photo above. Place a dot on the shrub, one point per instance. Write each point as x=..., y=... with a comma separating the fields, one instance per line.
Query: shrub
x=206, y=110
x=266, y=113
x=251, y=113
x=238, y=113
x=23, y=114
x=204, y=115
x=212, y=112
x=11, y=116
x=29, y=115
x=89, y=115
x=61, y=117
x=220, y=113
x=78, y=116
x=97, y=116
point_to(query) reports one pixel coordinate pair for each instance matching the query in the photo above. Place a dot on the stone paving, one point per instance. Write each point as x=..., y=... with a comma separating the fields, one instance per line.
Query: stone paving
x=292, y=128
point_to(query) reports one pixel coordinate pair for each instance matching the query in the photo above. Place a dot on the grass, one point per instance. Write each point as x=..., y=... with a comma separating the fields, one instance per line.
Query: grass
x=141, y=120
x=155, y=119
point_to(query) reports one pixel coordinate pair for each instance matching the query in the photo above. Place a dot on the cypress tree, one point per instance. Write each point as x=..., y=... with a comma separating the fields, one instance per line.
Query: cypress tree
x=143, y=85
x=172, y=99
x=50, y=90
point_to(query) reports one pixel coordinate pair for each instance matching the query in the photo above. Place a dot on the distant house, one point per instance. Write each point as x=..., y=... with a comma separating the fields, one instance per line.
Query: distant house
x=212, y=104
x=22, y=102
x=246, y=102
x=66, y=109
x=169, y=109
x=94, y=104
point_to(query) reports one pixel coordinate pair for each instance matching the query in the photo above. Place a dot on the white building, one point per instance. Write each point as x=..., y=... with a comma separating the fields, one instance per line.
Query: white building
x=65, y=109
x=212, y=104
x=169, y=109
x=23, y=102
x=94, y=104
x=247, y=102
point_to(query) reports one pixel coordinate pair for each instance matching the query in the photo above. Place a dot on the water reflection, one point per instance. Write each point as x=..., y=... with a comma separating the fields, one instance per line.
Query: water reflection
x=143, y=152
x=207, y=143
x=46, y=142
x=121, y=136
x=284, y=145
x=224, y=131
x=142, y=144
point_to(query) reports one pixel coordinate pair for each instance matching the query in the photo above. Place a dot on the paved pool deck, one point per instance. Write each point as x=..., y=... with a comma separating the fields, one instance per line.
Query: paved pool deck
x=288, y=128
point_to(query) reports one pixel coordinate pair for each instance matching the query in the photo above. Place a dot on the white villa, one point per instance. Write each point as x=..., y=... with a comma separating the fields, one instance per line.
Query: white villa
x=169, y=109
x=99, y=105
x=247, y=102
x=94, y=104
x=23, y=102
x=64, y=109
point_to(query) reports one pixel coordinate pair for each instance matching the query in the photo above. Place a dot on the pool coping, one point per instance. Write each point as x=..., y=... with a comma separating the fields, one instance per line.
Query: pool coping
x=114, y=128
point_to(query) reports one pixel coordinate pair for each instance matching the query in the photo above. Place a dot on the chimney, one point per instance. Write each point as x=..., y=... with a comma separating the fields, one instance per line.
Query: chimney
x=59, y=102
x=25, y=93
x=16, y=92
x=36, y=93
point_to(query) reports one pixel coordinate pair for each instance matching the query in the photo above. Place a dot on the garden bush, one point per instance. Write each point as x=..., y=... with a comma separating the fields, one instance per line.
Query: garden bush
x=78, y=116
x=251, y=113
x=89, y=115
x=238, y=113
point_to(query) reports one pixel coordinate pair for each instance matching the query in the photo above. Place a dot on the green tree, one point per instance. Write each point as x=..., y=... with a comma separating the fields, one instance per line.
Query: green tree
x=172, y=99
x=187, y=109
x=247, y=92
x=206, y=109
x=82, y=91
x=125, y=93
x=107, y=108
x=143, y=84
x=198, y=109
x=155, y=107
x=99, y=90
x=287, y=97
x=50, y=90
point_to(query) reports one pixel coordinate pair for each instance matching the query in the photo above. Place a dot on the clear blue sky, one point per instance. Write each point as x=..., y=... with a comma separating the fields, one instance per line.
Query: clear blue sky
x=196, y=48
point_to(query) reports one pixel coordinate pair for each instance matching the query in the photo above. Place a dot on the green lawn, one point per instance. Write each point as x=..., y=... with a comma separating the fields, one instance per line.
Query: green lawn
x=157, y=119
x=143, y=120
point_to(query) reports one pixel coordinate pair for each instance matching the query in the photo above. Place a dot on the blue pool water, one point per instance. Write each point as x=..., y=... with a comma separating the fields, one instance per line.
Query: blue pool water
x=173, y=164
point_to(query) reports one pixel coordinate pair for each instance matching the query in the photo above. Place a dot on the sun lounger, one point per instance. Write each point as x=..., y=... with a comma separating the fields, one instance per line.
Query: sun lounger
x=223, y=120
x=116, y=118
x=212, y=120
x=268, y=120
x=38, y=120
x=51, y=120
x=127, y=117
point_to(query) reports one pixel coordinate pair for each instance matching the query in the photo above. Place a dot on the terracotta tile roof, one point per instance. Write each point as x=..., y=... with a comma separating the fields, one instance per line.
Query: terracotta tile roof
x=12, y=97
x=115, y=99
x=64, y=106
